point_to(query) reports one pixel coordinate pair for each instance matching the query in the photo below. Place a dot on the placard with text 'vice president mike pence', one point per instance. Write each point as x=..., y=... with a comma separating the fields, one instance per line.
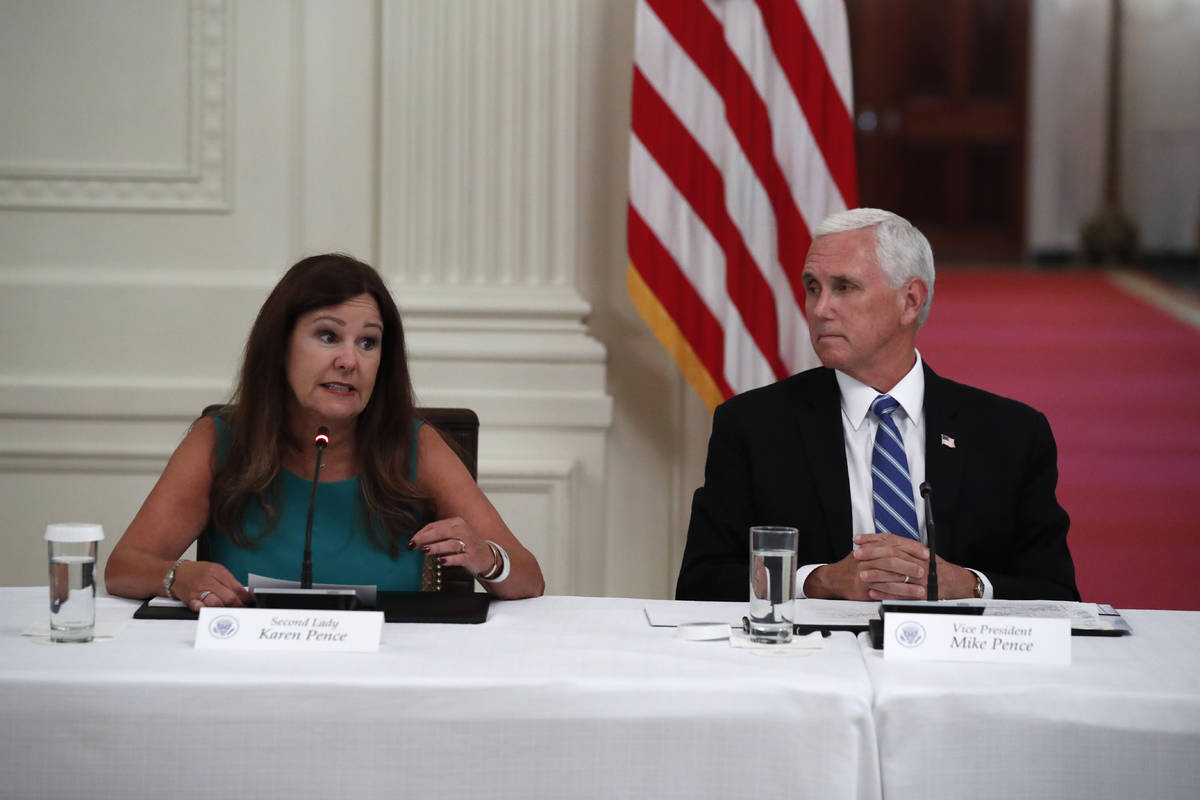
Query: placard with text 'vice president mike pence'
x=955, y=637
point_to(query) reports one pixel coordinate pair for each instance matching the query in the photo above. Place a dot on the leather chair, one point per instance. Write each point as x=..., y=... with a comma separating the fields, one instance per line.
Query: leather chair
x=459, y=427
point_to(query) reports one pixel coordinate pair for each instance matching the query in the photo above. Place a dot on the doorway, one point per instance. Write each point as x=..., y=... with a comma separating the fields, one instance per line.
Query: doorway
x=940, y=90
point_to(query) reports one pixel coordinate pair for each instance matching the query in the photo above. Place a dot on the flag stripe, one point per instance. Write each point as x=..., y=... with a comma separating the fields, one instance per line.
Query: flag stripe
x=830, y=29
x=691, y=244
x=698, y=107
x=673, y=340
x=741, y=142
x=699, y=180
x=701, y=35
x=813, y=189
x=675, y=293
x=802, y=62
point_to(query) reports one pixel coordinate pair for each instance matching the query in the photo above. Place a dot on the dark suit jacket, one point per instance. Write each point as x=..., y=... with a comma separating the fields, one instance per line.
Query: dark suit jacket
x=777, y=457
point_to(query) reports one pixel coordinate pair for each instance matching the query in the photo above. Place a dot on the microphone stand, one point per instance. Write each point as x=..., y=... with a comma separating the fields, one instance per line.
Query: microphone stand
x=306, y=565
x=875, y=626
x=344, y=599
x=931, y=535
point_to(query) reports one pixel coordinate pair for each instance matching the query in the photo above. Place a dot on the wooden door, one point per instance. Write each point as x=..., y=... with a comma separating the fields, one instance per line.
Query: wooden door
x=940, y=117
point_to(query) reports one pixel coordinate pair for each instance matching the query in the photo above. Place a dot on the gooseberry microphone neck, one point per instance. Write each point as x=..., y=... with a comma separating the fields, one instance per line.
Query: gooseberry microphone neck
x=931, y=540
x=321, y=440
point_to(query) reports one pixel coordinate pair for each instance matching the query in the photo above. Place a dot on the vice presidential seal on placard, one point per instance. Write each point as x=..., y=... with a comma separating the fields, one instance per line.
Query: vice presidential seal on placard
x=223, y=627
x=910, y=634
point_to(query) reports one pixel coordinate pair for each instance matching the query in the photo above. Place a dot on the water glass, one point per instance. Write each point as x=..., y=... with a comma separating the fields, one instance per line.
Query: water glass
x=772, y=583
x=72, y=548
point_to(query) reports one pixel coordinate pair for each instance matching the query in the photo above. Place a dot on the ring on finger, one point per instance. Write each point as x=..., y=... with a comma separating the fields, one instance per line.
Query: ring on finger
x=205, y=594
x=462, y=546
x=906, y=579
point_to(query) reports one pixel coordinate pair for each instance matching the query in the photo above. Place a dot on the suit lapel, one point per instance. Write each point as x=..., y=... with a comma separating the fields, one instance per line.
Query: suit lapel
x=819, y=419
x=945, y=452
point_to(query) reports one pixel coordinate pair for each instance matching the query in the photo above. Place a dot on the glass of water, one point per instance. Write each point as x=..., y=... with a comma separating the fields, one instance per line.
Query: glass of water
x=772, y=583
x=72, y=547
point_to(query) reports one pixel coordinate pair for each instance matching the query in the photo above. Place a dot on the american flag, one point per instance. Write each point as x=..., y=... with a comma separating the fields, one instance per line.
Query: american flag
x=741, y=143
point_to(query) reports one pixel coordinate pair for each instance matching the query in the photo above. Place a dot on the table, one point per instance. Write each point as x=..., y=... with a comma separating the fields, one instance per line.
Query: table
x=579, y=698
x=1123, y=721
x=564, y=697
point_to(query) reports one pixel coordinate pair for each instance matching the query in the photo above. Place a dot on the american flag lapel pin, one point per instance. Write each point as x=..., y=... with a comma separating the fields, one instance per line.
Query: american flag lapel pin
x=947, y=441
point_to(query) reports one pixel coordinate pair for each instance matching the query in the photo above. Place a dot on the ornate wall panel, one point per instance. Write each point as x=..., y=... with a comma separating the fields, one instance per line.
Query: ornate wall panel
x=107, y=117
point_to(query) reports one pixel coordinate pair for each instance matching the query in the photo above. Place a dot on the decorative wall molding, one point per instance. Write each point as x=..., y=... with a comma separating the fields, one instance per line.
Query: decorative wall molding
x=203, y=183
x=70, y=461
x=479, y=127
x=56, y=398
x=554, y=480
x=80, y=399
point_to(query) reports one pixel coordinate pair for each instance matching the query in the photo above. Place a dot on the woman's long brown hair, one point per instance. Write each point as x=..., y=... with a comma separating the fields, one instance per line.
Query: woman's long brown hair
x=392, y=506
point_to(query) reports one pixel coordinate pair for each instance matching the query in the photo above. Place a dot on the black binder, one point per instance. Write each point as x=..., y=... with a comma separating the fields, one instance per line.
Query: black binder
x=438, y=607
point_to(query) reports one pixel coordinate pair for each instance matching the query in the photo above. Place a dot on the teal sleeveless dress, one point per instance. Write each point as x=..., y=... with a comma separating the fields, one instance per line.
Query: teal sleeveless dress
x=341, y=549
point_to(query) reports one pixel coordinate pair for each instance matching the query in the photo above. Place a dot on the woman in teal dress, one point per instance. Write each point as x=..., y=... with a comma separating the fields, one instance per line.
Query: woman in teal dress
x=327, y=350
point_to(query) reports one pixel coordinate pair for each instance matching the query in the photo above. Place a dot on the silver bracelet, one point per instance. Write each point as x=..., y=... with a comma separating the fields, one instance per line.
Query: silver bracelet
x=503, y=557
x=169, y=579
x=497, y=562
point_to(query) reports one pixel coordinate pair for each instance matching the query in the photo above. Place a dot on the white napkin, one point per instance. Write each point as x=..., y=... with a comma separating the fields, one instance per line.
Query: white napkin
x=105, y=629
x=799, y=645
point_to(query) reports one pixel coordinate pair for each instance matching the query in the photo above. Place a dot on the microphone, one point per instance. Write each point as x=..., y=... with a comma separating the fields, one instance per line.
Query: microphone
x=927, y=493
x=321, y=440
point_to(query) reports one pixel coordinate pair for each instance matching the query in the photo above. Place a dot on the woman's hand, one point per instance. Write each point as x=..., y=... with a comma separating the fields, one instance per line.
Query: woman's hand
x=206, y=583
x=469, y=520
x=455, y=544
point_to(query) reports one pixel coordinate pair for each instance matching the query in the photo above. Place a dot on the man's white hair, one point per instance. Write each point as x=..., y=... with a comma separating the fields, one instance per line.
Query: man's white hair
x=901, y=250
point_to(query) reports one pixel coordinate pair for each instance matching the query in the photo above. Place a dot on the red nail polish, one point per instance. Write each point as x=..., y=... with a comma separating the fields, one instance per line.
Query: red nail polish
x=425, y=549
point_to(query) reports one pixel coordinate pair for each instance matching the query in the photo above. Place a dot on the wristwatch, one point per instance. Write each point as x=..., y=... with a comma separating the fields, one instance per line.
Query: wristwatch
x=169, y=579
x=978, y=585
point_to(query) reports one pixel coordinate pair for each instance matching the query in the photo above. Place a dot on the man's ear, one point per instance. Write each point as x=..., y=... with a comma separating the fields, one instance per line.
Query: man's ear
x=913, y=293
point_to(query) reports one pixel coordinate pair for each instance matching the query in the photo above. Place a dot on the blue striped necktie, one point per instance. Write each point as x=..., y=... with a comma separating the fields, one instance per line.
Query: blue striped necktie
x=891, y=486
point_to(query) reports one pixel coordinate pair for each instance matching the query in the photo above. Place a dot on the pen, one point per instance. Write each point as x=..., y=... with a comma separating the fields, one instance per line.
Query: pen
x=804, y=630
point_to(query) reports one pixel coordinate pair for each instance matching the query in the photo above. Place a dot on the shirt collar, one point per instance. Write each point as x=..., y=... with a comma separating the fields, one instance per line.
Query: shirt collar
x=857, y=396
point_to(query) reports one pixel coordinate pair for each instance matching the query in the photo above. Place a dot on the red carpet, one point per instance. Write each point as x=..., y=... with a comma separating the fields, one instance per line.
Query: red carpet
x=1120, y=382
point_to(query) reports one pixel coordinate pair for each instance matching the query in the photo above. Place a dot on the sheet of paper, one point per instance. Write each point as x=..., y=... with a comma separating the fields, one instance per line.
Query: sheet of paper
x=812, y=613
x=824, y=613
x=830, y=613
x=365, y=594
x=104, y=629
x=669, y=614
x=1083, y=616
x=799, y=645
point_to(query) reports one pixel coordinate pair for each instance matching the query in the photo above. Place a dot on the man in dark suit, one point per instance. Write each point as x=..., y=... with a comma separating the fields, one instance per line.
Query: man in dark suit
x=839, y=451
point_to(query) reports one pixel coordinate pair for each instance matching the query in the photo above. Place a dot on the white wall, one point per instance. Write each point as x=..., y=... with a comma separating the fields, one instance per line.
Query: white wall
x=1161, y=136
x=1160, y=120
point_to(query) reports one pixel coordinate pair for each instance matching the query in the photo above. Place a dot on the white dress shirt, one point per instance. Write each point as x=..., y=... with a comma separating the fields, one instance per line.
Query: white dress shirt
x=859, y=427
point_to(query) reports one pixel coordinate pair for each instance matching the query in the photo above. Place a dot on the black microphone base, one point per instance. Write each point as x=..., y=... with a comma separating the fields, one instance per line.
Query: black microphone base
x=875, y=626
x=928, y=607
x=319, y=599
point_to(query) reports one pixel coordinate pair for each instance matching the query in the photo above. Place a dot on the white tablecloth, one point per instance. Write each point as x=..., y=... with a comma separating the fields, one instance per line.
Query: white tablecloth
x=555, y=697
x=1123, y=721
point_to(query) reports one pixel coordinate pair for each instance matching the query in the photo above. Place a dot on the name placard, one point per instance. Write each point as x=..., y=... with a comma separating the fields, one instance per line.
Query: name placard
x=955, y=637
x=289, y=629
